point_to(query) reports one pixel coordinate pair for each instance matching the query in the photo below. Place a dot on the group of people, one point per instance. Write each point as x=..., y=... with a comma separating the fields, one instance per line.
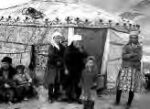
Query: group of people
x=76, y=72
x=15, y=82
x=69, y=70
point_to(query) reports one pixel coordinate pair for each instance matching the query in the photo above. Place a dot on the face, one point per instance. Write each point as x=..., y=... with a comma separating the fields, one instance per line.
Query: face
x=90, y=63
x=5, y=65
x=133, y=39
x=58, y=39
x=19, y=71
x=77, y=44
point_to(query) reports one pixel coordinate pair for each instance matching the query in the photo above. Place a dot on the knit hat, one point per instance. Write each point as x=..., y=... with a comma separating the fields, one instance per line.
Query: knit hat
x=20, y=67
x=91, y=58
x=7, y=59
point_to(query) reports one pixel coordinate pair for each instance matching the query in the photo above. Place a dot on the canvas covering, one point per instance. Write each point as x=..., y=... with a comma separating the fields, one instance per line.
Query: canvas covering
x=116, y=42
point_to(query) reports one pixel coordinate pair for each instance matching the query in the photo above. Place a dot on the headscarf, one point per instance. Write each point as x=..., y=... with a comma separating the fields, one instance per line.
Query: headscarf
x=55, y=34
x=74, y=38
x=134, y=34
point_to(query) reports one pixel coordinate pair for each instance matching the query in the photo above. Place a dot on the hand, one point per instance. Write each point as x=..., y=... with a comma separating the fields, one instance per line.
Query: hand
x=30, y=81
x=6, y=85
x=66, y=72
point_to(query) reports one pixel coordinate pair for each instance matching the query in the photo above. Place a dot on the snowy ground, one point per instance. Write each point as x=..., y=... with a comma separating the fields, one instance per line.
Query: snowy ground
x=103, y=102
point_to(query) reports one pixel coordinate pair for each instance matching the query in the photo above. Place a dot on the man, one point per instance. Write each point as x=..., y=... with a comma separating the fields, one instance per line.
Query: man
x=74, y=57
x=130, y=73
x=7, y=85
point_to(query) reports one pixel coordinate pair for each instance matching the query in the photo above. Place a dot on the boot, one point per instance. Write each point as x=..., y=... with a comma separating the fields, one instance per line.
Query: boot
x=88, y=104
x=118, y=97
x=51, y=93
x=130, y=99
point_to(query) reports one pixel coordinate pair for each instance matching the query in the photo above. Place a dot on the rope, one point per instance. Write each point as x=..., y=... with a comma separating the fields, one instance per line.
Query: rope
x=14, y=53
x=15, y=43
x=38, y=44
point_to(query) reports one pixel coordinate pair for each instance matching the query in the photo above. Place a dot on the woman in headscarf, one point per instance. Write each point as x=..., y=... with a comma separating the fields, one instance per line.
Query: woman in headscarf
x=55, y=66
x=130, y=75
x=74, y=57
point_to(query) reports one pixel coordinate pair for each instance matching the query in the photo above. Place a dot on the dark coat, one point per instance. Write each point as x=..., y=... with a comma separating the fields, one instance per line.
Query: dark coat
x=11, y=73
x=55, y=63
x=9, y=80
x=74, y=60
x=131, y=56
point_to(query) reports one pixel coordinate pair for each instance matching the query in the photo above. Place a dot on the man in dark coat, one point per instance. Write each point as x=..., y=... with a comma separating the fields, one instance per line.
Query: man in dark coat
x=7, y=85
x=74, y=57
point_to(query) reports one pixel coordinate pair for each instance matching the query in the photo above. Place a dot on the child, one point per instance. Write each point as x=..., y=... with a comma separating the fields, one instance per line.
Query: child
x=88, y=79
x=23, y=81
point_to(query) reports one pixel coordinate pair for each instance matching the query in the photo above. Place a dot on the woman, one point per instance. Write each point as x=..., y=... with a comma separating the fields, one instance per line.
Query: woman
x=130, y=75
x=54, y=65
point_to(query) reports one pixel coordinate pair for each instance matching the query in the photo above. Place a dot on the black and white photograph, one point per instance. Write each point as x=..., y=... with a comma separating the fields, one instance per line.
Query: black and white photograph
x=74, y=54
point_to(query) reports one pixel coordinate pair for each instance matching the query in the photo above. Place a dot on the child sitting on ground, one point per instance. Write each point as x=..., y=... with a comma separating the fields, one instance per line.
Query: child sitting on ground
x=88, y=79
x=24, y=83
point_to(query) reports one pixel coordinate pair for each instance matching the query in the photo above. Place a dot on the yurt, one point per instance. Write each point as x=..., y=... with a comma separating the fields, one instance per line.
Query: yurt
x=26, y=30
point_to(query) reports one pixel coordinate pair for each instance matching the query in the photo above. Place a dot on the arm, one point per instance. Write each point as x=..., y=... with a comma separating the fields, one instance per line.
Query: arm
x=126, y=54
x=51, y=60
x=29, y=79
x=82, y=78
x=137, y=55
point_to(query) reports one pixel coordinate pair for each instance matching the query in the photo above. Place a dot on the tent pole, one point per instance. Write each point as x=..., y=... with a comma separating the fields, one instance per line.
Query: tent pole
x=105, y=58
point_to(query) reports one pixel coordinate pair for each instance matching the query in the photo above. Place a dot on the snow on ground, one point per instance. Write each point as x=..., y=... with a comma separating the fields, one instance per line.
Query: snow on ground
x=103, y=102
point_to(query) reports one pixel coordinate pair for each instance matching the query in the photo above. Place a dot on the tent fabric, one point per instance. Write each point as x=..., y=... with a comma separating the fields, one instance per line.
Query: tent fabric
x=93, y=42
x=16, y=41
x=116, y=43
x=61, y=10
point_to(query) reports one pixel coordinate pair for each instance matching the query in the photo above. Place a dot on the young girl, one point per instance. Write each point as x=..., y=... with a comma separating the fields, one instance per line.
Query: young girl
x=88, y=79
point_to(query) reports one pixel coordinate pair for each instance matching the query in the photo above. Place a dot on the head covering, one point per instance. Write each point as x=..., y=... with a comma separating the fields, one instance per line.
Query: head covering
x=74, y=38
x=55, y=34
x=7, y=60
x=20, y=67
x=91, y=58
x=134, y=33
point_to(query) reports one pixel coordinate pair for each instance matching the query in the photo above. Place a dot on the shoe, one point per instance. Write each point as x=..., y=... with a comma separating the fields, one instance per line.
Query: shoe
x=26, y=99
x=10, y=103
x=127, y=107
x=115, y=104
x=51, y=100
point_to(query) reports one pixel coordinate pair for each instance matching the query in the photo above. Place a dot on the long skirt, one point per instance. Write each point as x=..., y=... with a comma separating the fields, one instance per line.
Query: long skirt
x=129, y=79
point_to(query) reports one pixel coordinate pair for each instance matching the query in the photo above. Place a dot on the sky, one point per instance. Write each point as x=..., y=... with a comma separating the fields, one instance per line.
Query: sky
x=9, y=3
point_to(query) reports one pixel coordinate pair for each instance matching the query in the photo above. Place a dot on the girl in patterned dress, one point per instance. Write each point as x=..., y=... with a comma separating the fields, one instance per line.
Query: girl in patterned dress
x=129, y=77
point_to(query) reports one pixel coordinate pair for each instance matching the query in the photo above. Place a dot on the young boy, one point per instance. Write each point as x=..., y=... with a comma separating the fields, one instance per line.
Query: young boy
x=23, y=82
